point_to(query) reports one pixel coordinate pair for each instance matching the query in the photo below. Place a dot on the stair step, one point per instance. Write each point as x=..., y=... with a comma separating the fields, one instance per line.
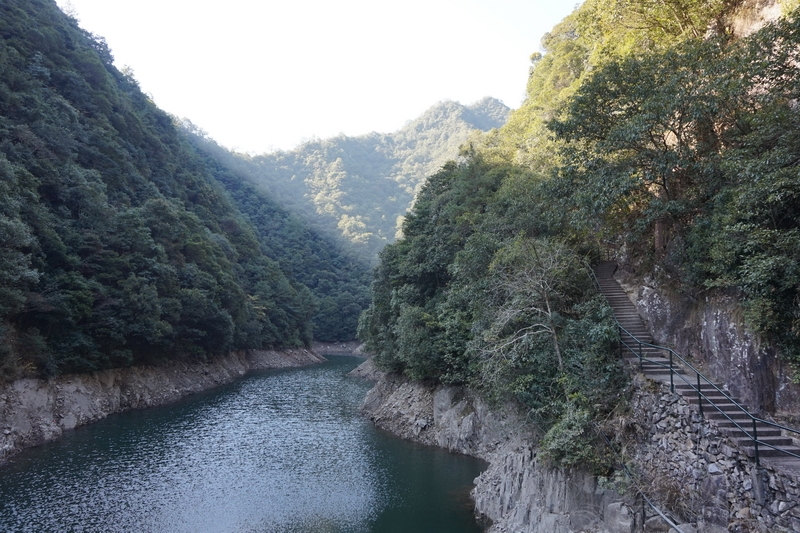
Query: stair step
x=765, y=441
x=737, y=424
x=694, y=399
x=765, y=451
x=704, y=388
x=736, y=433
x=738, y=416
x=718, y=406
x=725, y=407
x=660, y=369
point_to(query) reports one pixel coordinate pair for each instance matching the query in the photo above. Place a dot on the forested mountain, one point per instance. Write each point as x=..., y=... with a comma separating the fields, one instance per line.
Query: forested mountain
x=362, y=186
x=119, y=241
x=317, y=257
x=649, y=127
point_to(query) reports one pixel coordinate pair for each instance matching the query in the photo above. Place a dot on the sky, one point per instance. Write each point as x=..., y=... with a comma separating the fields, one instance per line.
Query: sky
x=264, y=75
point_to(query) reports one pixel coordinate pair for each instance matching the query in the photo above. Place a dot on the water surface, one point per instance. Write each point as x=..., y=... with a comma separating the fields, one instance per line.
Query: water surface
x=277, y=452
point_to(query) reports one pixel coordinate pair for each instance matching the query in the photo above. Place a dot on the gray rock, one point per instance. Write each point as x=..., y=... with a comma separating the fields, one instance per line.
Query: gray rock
x=37, y=411
x=656, y=524
x=703, y=527
x=618, y=518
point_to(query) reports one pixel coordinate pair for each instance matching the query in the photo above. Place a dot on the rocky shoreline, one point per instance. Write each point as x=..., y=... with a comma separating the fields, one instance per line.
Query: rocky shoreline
x=35, y=411
x=685, y=463
x=516, y=493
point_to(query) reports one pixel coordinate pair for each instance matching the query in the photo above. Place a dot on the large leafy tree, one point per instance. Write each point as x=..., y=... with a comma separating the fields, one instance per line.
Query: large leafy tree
x=643, y=140
x=691, y=156
x=472, y=295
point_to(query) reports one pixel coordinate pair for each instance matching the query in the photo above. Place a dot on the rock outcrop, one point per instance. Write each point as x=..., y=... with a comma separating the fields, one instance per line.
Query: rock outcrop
x=711, y=331
x=338, y=348
x=684, y=463
x=517, y=492
x=34, y=411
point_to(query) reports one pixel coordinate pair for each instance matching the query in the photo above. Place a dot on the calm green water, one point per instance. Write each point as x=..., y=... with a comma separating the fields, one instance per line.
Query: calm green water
x=277, y=452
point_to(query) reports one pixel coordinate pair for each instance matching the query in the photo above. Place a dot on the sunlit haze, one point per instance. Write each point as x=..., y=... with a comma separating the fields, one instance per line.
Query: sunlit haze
x=265, y=75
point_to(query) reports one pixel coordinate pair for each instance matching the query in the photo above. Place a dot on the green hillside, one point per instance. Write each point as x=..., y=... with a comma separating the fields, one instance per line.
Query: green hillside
x=119, y=241
x=363, y=186
x=650, y=129
x=317, y=257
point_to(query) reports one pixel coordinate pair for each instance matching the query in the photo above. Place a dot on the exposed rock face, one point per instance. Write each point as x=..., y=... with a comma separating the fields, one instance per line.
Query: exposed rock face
x=752, y=15
x=33, y=411
x=366, y=370
x=711, y=332
x=338, y=348
x=516, y=492
x=683, y=462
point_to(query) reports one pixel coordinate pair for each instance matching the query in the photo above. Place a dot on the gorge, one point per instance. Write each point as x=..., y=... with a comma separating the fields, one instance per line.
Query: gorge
x=143, y=265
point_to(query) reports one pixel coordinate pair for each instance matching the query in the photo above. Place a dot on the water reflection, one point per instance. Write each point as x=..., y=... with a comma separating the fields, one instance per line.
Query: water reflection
x=278, y=452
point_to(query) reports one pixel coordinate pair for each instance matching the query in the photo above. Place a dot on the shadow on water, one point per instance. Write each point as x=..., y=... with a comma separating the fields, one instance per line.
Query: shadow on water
x=280, y=451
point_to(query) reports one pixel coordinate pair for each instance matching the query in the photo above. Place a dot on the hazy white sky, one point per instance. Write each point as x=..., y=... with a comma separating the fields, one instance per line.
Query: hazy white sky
x=260, y=75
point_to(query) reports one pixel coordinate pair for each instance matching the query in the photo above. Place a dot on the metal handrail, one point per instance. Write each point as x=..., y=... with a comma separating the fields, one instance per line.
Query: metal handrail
x=700, y=396
x=630, y=476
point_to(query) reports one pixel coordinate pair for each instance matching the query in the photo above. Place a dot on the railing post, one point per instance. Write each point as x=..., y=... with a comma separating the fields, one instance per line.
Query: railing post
x=755, y=440
x=644, y=515
x=671, y=380
x=640, y=355
x=699, y=395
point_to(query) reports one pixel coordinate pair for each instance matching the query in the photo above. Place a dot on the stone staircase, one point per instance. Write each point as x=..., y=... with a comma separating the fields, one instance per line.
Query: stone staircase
x=714, y=405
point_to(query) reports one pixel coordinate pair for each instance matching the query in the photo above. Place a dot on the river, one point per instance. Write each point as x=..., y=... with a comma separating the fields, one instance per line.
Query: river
x=276, y=452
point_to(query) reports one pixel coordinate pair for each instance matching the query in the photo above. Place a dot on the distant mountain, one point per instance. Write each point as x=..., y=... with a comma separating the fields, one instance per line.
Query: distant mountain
x=362, y=186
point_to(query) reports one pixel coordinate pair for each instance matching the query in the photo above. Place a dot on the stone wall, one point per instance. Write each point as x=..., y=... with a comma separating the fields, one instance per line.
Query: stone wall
x=681, y=461
x=34, y=411
x=695, y=471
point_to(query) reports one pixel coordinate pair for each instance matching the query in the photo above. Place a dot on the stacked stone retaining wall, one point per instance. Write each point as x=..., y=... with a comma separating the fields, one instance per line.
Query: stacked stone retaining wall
x=687, y=464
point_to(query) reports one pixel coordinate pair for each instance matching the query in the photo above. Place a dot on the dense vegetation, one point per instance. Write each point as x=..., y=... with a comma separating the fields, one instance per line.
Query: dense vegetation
x=333, y=270
x=119, y=243
x=649, y=127
x=363, y=186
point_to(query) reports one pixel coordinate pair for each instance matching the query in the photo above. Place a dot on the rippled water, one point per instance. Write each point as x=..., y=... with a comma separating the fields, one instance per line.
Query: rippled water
x=277, y=452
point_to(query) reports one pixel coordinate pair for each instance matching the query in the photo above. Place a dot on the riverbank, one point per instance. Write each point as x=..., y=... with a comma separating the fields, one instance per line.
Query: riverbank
x=685, y=462
x=339, y=348
x=34, y=411
x=517, y=492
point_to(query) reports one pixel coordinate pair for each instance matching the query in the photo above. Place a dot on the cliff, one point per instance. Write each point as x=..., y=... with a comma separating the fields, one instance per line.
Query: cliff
x=34, y=411
x=711, y=331
x=686, y=464
x=517, y=492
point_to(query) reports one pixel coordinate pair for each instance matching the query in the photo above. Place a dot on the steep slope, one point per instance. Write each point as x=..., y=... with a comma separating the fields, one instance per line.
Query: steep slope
x=319, y=259
x=118, y=243
x=649, y=132
x=363, y=185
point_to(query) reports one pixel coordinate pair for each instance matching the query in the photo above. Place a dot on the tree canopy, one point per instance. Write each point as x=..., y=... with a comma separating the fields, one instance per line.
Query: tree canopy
x=649, y=126
x=120, y=242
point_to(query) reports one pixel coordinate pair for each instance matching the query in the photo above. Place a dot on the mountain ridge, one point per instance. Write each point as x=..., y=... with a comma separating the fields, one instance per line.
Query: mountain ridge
x=363, y=185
